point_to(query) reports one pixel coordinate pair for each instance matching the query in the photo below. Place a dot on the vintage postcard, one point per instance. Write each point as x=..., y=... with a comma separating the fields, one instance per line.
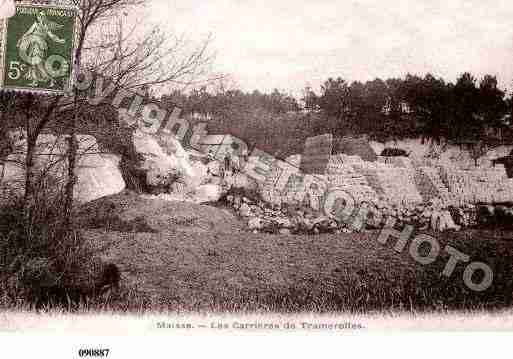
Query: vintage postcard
x=256, y=167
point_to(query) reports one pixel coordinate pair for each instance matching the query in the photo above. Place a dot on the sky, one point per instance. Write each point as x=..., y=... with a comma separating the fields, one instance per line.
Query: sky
x=288, y=44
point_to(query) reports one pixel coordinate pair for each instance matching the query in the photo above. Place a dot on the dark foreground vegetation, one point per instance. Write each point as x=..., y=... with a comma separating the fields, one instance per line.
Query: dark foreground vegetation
x=44, y=265
x=185, y=257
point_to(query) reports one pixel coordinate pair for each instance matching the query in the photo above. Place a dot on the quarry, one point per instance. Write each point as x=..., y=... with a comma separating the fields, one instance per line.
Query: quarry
x=433, y=188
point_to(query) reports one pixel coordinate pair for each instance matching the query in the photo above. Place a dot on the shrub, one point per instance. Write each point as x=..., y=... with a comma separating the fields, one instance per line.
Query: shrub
x=40, y=262
x=251, y=194
x=394, y=152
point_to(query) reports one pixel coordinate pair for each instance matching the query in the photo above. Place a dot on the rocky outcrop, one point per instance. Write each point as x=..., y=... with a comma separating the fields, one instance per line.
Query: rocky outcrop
x=208, y=193
x=98, y=176
x=442, y=221
x=162, y=169
x=171, y=172
x=98, y=173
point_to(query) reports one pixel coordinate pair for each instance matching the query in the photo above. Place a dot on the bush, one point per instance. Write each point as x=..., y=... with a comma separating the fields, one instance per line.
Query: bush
x=251, y=194
x=394, y=152
x=40, y=262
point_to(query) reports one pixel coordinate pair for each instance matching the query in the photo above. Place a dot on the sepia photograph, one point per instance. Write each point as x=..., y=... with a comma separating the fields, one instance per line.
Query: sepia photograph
x=234, y=166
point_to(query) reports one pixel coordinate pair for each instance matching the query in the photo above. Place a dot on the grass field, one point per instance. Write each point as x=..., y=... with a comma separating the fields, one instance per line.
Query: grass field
x=185, y=257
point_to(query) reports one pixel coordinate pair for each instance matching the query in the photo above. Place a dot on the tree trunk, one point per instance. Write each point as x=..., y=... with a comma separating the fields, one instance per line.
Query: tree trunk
x=70, y=184
x=72, y=164
x=29, y=200
x=29, y=172
x=72, y=148
x=31, y=140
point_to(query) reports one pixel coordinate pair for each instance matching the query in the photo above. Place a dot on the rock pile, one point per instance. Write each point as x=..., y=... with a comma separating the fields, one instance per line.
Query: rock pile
x=262, y=217
x=440, y=197
x=429, y=215
x=173, y=175
x=162, y=167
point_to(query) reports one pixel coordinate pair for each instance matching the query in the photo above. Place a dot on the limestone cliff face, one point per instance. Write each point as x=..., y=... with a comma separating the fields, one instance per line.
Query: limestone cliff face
x=98, y=173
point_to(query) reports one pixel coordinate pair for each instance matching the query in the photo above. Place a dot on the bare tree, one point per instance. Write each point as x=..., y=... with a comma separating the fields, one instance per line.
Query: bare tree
x=150, y=59
x=132, y=59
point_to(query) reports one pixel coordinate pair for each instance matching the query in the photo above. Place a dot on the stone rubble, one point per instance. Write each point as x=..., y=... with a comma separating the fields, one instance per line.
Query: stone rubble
x=262, y=217
x=437, y=198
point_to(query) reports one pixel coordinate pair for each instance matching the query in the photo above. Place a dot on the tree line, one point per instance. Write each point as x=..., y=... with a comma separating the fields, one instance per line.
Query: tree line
x=410, y=107
x=221, y=102
x=416, y=106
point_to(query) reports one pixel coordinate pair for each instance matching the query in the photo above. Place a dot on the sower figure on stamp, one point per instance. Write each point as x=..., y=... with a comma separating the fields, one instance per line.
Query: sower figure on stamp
x=33, y=48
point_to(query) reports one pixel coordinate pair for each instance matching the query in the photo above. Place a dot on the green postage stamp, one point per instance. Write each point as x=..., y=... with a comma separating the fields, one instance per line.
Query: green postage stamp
x=38, y=48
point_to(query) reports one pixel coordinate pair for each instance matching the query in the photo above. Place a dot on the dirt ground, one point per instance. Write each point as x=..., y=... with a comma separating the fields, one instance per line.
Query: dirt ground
x=182, y=256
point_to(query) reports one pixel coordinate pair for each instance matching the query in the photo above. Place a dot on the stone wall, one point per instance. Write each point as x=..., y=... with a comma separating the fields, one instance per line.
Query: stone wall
x=400, y=187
